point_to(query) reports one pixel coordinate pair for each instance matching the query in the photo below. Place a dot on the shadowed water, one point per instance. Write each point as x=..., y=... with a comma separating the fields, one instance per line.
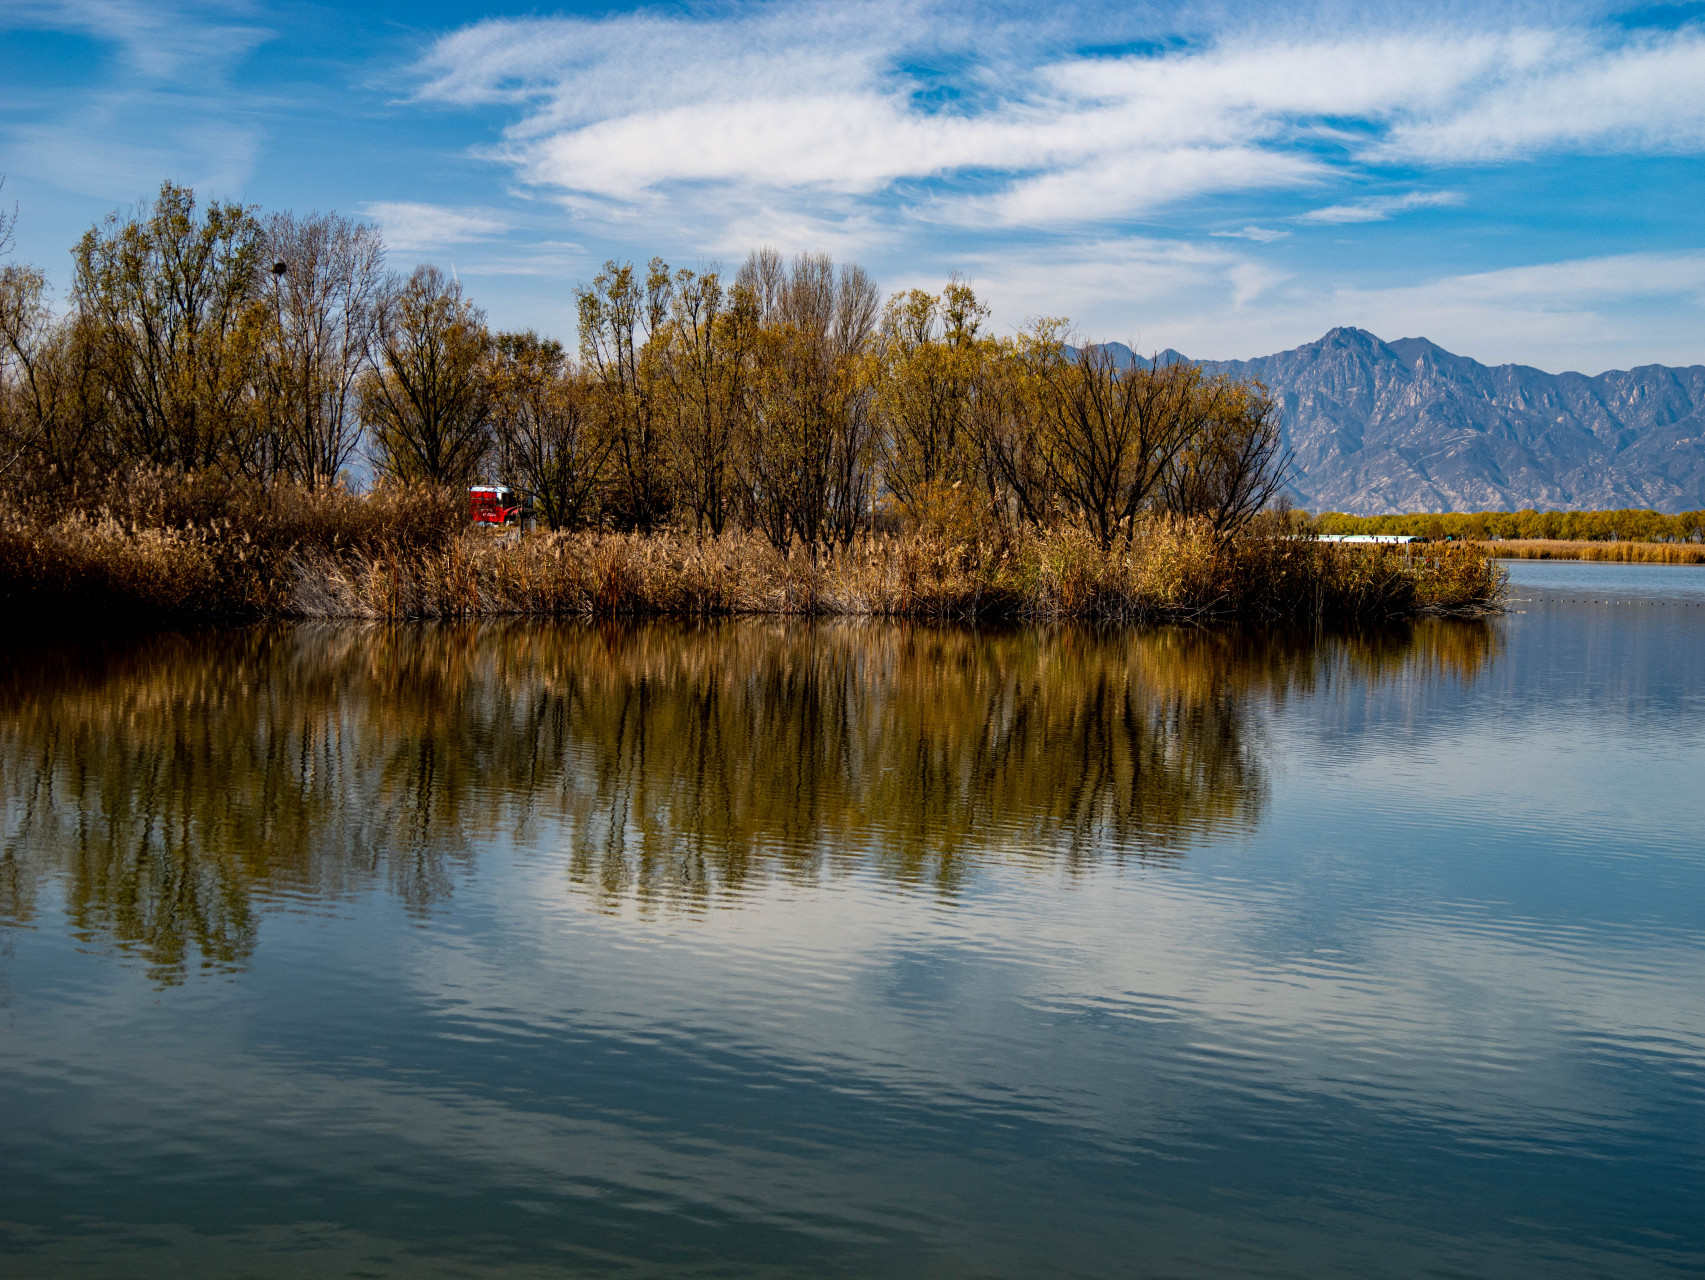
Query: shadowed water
x=760, y=948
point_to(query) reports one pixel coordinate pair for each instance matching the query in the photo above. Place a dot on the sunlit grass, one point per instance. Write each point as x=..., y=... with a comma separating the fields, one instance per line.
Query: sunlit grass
x=160, y=548
x=1170, y=571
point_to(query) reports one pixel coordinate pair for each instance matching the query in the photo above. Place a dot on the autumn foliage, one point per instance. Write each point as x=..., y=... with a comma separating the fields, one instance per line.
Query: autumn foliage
x=184, y=441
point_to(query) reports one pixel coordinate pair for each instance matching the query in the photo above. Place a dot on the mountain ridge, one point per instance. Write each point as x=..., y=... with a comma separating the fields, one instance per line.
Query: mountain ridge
x=1406, y=425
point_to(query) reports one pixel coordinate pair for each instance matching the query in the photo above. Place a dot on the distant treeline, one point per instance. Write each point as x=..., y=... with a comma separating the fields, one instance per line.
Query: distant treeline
x=790, y=400
x=1628, y=525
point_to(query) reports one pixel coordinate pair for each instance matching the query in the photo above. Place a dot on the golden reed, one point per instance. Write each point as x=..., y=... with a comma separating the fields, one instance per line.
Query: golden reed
x=1168, y=571
x=167, y=551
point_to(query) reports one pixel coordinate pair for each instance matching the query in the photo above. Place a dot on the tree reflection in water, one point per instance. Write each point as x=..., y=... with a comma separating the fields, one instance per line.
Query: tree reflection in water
x=177, y=784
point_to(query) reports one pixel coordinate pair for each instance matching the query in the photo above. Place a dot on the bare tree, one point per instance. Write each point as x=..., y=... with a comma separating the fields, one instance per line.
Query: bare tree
x=53, y=410
x=8, y=223
x=809, y=448
x=928, y=362
x=1111, y=433
x=1014, y=457
x=619, y=317
x=167, y=294
x=709, y=345
x=764, y=276
x=1235, y=462
x=784, y=451
x=548, y=443
x=853, y=449
x=322, y=283
x=426, y=400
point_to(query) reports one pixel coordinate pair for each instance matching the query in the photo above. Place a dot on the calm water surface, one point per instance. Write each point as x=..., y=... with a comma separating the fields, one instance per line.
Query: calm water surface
x=761, y=949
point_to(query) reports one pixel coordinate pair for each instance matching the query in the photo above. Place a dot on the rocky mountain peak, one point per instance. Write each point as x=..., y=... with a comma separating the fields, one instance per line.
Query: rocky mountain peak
x=1408, y=426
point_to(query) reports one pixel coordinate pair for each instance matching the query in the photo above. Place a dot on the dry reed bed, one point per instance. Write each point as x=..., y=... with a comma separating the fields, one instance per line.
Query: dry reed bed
x=179, y=556
x=1624, y=552
x=1167, y=572
x=156, y=546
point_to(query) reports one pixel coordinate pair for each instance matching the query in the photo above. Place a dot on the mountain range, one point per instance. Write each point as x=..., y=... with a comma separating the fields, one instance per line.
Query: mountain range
x=1407, y=426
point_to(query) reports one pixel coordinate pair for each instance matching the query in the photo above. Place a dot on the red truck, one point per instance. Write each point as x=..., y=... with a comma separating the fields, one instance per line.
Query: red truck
x=494, y=504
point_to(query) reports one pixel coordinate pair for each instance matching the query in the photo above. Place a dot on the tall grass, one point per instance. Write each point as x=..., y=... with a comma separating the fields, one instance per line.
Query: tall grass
x=153, y=546
x=1626, y=525
x=1170, y=571
x=1623, y=552
x=157, y=548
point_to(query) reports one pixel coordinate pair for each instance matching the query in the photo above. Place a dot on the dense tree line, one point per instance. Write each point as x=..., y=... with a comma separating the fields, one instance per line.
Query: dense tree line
x=1627, y=525
x=790, y=399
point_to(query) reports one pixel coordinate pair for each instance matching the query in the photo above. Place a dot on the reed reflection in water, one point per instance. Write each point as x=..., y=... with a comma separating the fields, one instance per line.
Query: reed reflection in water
x=176, y=785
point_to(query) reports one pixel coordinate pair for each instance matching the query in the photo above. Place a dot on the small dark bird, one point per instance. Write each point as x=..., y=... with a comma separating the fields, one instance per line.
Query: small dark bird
x=279, y=268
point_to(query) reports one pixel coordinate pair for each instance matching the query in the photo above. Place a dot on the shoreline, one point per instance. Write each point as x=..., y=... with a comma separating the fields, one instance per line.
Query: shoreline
x=1166, y=571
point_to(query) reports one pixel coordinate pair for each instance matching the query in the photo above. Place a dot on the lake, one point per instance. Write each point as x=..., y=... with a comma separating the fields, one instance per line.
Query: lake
x=785, y=949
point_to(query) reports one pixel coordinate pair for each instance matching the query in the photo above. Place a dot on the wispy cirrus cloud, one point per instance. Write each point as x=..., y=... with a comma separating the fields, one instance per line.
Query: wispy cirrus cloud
x=1589, y=314
x=413, y=227
x=103, y=149
x=1585, y=313
x=1569, y=90
x=1261, y=235
x=161, y=40
x=164, y=103
x=1226, y=177
x=1379, y=208
x=922, y=112
x=1574, y=284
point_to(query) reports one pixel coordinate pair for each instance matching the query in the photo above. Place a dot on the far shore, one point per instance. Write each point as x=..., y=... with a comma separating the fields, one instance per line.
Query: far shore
x=1620, y=551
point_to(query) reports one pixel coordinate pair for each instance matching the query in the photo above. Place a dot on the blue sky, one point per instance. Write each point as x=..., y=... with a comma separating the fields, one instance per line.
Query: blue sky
x=1514, y=182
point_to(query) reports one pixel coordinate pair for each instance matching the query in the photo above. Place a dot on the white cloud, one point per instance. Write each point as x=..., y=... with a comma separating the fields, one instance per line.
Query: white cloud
x=548, y=258
x=1116, y=186
x=1646, y=96
x=1137, y=290
x=412, y=227
x=1213, y=302
x=811, y=101
x=1586, y=281
x=1588, y=314
x=104, y=150
x=1249, y=280
x=158, y=39
x=1261, y=235
x=166, y=106
x=1380, y=208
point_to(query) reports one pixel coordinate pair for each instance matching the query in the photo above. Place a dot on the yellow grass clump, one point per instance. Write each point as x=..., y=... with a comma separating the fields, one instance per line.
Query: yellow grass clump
x=159, y=546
